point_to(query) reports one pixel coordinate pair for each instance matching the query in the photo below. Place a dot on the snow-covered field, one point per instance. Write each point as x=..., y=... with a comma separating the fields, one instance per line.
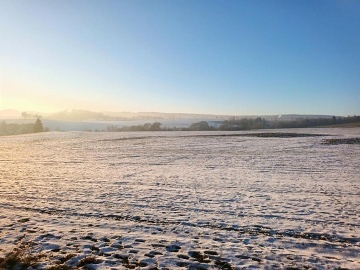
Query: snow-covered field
x=167, y=200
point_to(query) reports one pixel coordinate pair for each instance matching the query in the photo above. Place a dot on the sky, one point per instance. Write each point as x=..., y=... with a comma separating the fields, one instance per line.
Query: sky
x=243, y=57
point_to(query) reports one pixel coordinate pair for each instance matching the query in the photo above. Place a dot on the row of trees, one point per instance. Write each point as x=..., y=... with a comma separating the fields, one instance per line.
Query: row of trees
x=228, y=125
x=16, y=129
x=260, y=123
x=244, y=124
x=156, y=126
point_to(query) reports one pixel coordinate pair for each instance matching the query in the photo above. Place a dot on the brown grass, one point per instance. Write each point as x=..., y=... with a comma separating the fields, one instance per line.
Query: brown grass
x=87, y=260
x=20, y=258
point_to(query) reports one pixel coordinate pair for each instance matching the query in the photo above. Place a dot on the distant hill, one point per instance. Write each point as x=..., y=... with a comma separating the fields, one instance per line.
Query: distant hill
x=84, y=115
x=160, y=115
x=9, y=114
x=79, y=115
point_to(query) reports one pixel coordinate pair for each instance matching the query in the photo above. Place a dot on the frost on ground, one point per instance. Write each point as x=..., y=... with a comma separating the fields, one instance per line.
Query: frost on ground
x=182, y=200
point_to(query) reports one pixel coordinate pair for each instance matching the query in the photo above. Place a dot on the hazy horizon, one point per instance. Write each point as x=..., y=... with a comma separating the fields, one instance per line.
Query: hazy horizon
x=198, y=57
x=15, y=112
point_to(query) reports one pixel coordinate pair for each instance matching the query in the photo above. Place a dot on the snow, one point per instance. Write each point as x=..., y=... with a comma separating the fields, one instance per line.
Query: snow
x=183, y=199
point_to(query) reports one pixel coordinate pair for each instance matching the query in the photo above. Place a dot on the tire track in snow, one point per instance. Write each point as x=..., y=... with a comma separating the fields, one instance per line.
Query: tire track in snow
x=249, y=230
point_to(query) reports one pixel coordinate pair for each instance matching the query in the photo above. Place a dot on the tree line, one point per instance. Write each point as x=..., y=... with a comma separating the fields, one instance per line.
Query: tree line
x=17, y=129
x=227, y=125
x=260, y=123
x=243, y=124
x=156, y=126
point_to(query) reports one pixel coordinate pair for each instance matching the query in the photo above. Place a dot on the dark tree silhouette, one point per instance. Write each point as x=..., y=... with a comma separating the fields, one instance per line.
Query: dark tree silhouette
x=155, y=126
x=38, y=126
x=203, y=125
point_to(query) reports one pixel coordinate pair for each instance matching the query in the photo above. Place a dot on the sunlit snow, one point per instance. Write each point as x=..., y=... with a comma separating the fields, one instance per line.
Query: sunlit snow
x=196, y=200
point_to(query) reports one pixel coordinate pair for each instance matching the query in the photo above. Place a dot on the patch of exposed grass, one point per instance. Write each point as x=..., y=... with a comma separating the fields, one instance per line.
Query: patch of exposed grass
x=66, y=257
x=88, y=260
x=20, y=258
x=60, y=267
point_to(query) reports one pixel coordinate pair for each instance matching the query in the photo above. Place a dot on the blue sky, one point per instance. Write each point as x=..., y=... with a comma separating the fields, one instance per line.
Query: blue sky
x=221, y=57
